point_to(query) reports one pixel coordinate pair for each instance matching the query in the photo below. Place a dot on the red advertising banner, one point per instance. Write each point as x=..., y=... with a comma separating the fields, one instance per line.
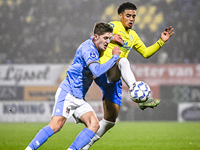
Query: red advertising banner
x=168, y=74
x=155, y=75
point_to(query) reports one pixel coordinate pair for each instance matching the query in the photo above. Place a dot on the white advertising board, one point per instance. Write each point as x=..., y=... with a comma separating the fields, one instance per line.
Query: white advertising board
x=32, y=111
x=25, y=75
x=189, y=111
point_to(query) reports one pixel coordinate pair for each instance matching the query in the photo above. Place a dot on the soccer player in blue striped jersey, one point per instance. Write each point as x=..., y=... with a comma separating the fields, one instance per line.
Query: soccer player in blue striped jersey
x=69, y=98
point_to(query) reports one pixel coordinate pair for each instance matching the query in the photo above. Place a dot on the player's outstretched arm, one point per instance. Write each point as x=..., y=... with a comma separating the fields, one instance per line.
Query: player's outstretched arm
x=167, y=34
x=149, y=51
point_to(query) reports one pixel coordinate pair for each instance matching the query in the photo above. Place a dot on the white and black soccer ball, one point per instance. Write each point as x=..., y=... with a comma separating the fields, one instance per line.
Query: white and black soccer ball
x=139, y=92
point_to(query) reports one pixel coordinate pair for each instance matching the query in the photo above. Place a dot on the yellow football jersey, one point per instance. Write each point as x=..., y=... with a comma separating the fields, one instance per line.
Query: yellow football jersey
x=131, y=40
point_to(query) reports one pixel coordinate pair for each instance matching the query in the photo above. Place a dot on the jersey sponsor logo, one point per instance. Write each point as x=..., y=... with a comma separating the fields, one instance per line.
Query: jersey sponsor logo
x=122, y=32
x=125, y=45
x=131, y=37
x=92, y=54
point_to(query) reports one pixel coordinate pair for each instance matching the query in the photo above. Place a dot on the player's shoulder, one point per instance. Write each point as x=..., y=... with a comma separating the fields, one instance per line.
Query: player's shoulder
x=88, y=45
x=89, y=48
x=114, y=23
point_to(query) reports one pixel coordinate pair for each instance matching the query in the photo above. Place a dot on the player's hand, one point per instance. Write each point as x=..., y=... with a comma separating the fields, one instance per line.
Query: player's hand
x=117, y=39
x=116, y=51
x=167, y=34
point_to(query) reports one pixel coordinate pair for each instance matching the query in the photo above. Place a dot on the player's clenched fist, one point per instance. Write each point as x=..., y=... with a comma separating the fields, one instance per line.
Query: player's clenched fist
x=116, y=51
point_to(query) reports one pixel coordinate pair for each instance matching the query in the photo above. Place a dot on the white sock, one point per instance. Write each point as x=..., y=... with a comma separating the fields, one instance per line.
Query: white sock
x=104, y=127
x=126, y=72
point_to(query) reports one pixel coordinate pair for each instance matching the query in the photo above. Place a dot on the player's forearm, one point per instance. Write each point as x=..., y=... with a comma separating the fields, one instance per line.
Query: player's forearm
x=153, y=49
x=99, y=69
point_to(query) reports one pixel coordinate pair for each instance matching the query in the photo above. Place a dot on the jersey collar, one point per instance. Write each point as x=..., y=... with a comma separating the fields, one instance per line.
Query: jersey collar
x=95, y=44
x=124, y=28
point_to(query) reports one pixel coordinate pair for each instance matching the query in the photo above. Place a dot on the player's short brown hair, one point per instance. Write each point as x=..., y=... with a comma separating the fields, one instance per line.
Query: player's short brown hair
x=101, y=28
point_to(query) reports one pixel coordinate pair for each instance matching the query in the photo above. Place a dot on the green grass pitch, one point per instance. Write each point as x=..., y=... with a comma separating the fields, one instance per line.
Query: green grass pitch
x=124, y=136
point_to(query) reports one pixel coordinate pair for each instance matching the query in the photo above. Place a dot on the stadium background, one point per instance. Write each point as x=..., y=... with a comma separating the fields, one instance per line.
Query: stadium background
x=38, y=40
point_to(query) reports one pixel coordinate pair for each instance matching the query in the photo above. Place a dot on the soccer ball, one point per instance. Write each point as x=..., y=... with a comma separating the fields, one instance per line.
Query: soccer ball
x=139, y=92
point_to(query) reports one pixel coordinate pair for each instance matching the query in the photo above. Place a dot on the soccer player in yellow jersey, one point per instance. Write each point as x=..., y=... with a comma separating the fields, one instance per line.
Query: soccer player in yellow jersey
x=110, y=83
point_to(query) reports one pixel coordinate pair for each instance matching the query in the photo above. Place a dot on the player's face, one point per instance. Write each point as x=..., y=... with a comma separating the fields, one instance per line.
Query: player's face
x=127, y=18
x=102, y=41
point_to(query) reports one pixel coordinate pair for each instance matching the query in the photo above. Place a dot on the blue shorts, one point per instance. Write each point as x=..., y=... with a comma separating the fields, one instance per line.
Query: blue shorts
x=111, y=90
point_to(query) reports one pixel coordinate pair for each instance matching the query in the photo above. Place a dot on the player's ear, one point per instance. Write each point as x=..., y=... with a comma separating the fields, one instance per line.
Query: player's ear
x=120, y=16
x=95, y=37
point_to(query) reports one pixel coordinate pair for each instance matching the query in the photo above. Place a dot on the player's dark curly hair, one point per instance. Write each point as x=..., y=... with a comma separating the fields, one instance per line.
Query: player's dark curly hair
x=101, y=28
x=125, y=6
